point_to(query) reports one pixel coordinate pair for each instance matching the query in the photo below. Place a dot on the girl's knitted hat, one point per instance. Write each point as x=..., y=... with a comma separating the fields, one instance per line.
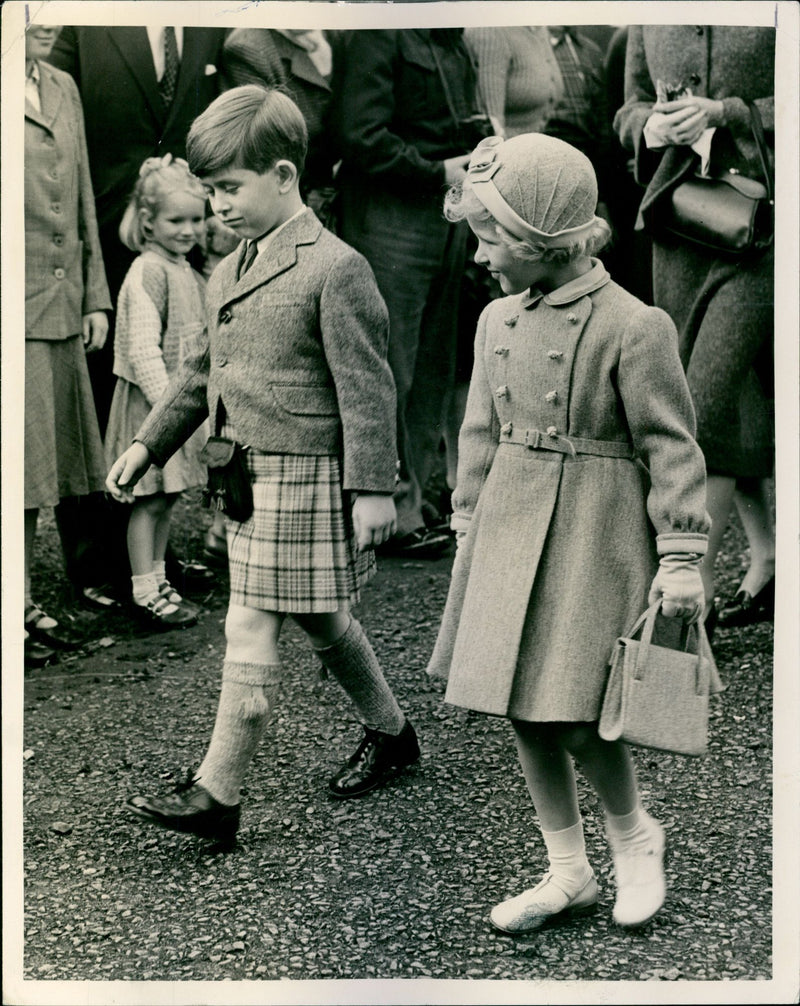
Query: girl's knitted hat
x=537, y=187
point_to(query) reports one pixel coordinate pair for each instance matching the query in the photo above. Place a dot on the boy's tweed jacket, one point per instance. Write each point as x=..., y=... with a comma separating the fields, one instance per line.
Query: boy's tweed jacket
x=560, y=551
x=64, y=275
x=295, y=354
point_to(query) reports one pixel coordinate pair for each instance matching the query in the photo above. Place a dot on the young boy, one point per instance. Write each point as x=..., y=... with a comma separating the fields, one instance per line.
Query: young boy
x=294, y=369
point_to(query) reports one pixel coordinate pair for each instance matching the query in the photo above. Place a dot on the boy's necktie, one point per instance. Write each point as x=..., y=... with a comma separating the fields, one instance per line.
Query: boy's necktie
x=249, y=257
x=166, y=85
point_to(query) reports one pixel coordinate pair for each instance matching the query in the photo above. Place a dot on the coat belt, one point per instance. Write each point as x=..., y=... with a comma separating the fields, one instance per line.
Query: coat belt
x=536, y=440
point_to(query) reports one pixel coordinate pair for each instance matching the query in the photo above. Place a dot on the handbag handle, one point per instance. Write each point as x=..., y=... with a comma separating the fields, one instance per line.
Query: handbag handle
x=757, y=127
x=646, y=622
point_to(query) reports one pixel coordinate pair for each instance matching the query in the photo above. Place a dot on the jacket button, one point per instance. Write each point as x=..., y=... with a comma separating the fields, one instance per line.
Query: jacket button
x=555, y=354
x=221, y=361
x=501, y=350
x=58, y=240
x=225, y=317
x=59, y=273
x=551, y=396
x=55, y=207
x=572, y=318
x=506, y=429
x=511, y=322
x=502, y=391
x=552, y=431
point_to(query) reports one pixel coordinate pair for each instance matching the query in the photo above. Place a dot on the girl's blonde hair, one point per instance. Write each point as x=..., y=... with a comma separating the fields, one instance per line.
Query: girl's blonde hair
x=158, y=176
x=461, y=203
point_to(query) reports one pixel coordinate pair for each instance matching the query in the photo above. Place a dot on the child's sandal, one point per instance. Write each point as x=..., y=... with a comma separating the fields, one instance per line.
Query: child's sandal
x=171, y=596
x=59, y=636
x=159, y=613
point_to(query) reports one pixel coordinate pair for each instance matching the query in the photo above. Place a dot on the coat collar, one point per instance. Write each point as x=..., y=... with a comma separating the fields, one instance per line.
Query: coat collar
x=50, y=97
x=281, y=255
x=590, y=281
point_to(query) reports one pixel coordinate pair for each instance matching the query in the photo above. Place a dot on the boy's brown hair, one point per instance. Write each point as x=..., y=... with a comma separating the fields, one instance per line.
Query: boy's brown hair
x=248, y=127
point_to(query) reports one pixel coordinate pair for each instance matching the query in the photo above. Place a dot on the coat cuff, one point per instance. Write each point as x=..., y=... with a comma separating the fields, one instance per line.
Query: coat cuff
x=680, y=542
x=460, y=521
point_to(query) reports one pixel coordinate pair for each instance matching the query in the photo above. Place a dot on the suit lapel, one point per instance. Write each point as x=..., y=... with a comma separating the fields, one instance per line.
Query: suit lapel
x=134, y=48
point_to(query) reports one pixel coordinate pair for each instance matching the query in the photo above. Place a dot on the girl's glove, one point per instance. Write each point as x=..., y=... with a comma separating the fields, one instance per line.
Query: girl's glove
x=679, y=586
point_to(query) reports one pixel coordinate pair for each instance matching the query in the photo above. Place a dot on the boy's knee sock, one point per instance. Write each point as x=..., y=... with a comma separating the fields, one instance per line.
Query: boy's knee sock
x=246, y=701
x=352, y=661
x=566, y=852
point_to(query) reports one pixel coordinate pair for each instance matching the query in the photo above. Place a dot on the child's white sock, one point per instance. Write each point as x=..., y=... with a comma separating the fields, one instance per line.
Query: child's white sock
x=160, y=571
x=629, y=830
x=144, y=587
x=566, y=852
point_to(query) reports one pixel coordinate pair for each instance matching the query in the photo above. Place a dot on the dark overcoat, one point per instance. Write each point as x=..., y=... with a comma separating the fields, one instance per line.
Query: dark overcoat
x=561, y=549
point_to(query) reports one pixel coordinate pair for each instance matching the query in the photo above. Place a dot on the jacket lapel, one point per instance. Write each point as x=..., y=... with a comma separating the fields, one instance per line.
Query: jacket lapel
x=134, y=48
x=50, y=98
x=279, y=256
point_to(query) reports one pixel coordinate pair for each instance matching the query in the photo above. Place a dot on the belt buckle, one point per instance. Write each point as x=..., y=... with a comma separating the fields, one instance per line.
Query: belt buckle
x=533, y=439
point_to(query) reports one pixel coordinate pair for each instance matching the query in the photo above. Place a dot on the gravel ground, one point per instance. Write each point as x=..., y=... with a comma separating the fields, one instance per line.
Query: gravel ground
x=394, y=886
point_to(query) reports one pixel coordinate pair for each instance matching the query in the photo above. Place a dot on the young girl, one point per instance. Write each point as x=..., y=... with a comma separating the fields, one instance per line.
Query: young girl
x=578, y=428
x=160, y=315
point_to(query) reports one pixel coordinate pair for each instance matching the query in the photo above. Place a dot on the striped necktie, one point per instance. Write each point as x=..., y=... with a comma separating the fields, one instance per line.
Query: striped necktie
x=249, y=257
x=166, y=85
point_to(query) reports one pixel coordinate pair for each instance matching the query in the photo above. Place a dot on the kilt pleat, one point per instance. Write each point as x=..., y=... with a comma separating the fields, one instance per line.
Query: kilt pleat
x=297, y=553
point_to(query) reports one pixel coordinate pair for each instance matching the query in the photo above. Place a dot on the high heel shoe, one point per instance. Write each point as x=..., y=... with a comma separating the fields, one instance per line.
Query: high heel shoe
x=745, y=609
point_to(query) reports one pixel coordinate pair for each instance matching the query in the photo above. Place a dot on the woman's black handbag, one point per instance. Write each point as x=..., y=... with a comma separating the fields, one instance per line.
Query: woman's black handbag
x=229, y=487
x=728, y=213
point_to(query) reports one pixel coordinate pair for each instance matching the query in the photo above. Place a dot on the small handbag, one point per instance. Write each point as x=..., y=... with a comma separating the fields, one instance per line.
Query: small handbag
x=657, y=696
x=229, y=488
x=727, y=213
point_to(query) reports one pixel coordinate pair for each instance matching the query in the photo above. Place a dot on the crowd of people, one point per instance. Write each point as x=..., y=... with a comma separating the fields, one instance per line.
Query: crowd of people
x=383, y=290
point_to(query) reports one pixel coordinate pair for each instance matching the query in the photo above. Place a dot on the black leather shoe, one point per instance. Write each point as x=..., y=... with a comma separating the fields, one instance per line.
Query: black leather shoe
x=745, y=609
x=190, y=809
x=378, y=758
x=36, y=653
x=58, y=636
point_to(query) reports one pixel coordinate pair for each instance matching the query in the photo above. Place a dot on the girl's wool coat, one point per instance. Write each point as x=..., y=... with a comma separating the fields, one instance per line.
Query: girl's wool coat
x=560, y=550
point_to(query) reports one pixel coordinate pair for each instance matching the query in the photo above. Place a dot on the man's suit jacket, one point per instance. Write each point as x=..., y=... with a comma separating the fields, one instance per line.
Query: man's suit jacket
x=126, y=121
x=296, y=352
x=64, y=277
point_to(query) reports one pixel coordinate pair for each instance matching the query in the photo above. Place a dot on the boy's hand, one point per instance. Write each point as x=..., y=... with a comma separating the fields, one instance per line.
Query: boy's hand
x=126, y=472
x=374, y=520
x=95, y=330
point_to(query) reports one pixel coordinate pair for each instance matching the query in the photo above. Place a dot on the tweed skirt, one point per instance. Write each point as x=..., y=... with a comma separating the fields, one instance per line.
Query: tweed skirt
x=63, y=449
x=297, y=553
x=184, y=470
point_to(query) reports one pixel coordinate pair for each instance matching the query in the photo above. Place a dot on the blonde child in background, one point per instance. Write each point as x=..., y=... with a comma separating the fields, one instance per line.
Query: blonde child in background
x=580, y=498
x=160, y=316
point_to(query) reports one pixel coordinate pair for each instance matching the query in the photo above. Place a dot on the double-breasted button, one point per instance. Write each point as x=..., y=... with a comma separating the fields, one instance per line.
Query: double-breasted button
x=506, y=429
x=552, y=431
x=225, y=317
x=58, y=240
x=55, y=207
x=54, y=174
x=551, y=396
x=511, y=320
x=501, y=350
x=502, y=391
x=572, y=318
x=59, y=273
x=554, y=354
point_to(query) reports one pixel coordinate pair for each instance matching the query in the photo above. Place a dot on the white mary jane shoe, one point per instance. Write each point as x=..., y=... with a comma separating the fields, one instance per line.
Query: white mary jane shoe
x=641, y=886
x=545, y=903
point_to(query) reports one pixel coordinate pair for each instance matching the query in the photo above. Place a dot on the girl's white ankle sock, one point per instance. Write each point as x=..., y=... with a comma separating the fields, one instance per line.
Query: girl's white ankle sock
x=160, y=571
x=634, y=828
x=566, y=852
x=144, y=587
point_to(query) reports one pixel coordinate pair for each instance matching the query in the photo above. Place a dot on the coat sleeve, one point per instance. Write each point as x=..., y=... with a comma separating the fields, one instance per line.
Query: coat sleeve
x=477, y=441
x=95, y=288
x=355, y=328
x=365, y=110
x=661, y=419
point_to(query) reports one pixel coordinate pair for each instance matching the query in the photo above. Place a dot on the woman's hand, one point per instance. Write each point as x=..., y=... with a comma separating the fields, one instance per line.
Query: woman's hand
x=95, y=330
x=126, y=472
x=374, y=519
x=682, y=122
